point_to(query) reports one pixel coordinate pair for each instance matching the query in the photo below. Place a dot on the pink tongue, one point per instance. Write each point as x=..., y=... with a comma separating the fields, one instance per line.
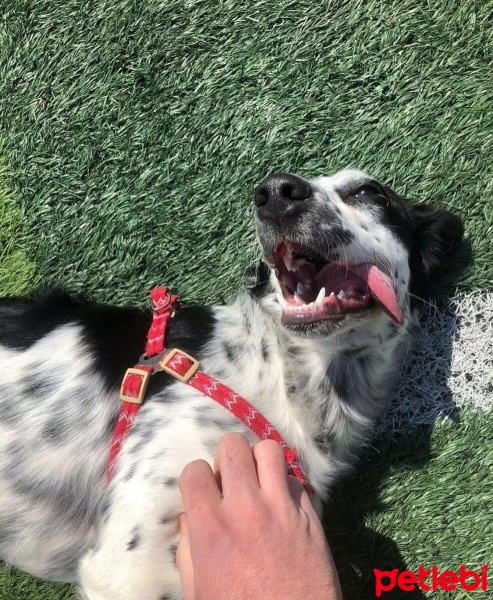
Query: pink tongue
x=378, y=283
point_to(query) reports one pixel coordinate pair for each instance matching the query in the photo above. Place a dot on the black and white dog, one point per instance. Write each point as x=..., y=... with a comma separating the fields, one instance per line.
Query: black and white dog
x=315, y=344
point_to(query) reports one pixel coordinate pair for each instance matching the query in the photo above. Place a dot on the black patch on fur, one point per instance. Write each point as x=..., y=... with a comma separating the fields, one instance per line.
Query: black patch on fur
x=265, y=350
x=24, y=321
x=230, y=351
x=143, y=441
x=292, y=389
x=210, y=444
x=392, y=208
x=353, y=353
x=168, y=518
x=437, y=236
x=136, y=537
x=247, y=325
x=173, y=549
x=110, y=425
x=11, y=411
x=37, y=386
x=115, y=336
x=170, y=482
x=105, y=506
x=233, y=351
x=159, y=455
x=432, y=235
x=130, y=473
x=342, y=236
x=55, y=430
x=347, y=375
x=71, y=504
x=221, y=374
x=257, y=281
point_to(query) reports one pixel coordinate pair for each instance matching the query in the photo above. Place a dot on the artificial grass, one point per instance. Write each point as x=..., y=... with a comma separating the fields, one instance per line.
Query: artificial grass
x=17, y=272
x=135, y=131
x=420, y=498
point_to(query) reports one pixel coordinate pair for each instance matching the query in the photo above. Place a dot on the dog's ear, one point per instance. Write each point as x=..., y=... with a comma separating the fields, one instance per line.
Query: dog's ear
x=437, y=236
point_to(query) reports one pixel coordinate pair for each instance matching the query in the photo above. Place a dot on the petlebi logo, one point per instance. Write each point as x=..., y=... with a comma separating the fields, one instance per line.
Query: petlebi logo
x=431, y=580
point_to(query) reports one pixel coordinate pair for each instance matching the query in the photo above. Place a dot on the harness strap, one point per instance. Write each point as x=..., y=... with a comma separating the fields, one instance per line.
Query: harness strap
x=185, y=368
x=163, y=305
x=136, y=380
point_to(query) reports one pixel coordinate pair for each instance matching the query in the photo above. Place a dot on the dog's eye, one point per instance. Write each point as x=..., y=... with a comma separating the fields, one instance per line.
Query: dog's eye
x=365, y=191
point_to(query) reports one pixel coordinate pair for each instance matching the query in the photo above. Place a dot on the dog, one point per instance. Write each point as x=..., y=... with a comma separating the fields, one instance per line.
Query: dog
x=315, y=344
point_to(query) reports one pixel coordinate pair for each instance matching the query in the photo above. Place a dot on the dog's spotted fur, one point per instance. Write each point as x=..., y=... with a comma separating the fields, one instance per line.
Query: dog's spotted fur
x=322, y=385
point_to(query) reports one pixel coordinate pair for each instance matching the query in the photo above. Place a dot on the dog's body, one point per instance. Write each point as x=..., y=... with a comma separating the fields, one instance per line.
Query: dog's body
x=318, y=370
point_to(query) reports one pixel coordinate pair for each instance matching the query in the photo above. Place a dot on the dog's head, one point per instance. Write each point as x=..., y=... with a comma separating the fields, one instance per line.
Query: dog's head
x=346, y=250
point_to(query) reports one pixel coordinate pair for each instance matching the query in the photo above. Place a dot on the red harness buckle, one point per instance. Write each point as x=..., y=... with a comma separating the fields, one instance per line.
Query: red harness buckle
x=180, y=365
x=134, y=385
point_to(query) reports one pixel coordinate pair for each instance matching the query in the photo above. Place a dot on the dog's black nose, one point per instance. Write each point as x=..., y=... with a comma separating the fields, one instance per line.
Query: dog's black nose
x=281, y=195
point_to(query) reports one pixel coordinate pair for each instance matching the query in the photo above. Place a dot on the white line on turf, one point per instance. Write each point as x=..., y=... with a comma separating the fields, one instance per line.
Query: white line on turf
x=450, y=366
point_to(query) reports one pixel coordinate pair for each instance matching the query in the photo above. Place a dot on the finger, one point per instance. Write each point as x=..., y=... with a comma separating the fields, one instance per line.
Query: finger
x=198, y=487
x=272, y=470
x=299, y=494
x=235, y=464
x=184, y=561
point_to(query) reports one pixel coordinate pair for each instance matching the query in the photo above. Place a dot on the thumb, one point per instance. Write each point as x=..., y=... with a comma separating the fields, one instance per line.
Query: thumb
x=184, y=561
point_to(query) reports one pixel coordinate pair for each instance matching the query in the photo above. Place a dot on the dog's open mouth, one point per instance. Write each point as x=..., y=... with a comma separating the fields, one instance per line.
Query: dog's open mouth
x=314, y=290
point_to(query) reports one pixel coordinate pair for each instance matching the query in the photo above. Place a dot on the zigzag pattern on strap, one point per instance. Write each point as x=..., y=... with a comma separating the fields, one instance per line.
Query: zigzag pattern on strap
x=128, y=412
x=246, y=413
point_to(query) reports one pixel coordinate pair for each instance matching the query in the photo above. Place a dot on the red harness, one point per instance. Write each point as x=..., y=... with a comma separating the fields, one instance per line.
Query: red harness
x=185, y=368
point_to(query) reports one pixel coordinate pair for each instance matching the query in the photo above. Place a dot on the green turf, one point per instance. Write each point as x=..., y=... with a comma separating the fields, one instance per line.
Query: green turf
x=423, y=498
x=17, y=272
x=134, y=132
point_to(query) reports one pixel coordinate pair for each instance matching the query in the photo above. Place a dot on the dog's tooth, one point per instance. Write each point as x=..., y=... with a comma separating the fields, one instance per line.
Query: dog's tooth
x=331, y=294
x=298, y=299
x=320, y=298
x=341, y=295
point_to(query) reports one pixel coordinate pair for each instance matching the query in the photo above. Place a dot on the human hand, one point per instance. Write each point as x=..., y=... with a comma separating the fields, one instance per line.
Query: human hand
x=249, y=531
